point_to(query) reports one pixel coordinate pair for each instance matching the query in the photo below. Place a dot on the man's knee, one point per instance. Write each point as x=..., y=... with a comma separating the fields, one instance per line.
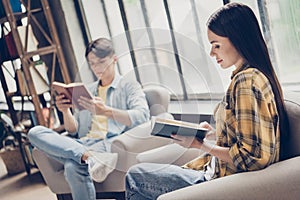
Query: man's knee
x=35, y=131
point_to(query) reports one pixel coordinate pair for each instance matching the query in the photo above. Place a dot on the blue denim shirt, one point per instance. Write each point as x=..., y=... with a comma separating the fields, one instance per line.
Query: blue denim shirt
x=122, y=94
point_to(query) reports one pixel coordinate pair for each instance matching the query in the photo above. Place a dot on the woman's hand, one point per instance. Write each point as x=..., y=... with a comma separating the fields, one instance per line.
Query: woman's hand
x=192, y=142
x=187, y=141
x=211, y=135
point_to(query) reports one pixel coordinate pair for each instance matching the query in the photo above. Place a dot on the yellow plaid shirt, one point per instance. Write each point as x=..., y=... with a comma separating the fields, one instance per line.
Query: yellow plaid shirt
x=246, y=121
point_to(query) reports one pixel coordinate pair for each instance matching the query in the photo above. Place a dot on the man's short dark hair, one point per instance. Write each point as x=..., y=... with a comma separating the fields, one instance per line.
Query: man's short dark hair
x=101, y=47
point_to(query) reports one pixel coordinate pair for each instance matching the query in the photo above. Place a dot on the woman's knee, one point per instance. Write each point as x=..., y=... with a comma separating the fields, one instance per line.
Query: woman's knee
x=137, y=169
x=149, y=168
x=140, y=172
x=133, y=171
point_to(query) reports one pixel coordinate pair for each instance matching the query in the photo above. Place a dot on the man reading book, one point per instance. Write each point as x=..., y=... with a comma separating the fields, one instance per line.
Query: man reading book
x=117, y=105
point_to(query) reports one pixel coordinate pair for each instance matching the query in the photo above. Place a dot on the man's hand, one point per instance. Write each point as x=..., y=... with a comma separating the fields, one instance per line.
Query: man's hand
x=63, y=104
x=95, y=105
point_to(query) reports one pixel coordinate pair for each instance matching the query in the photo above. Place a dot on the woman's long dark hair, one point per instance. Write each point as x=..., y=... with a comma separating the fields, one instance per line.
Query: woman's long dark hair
x=238, y=23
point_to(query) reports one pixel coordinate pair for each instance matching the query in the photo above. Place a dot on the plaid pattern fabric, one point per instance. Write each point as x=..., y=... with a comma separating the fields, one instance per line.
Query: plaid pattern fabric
x=246, y=121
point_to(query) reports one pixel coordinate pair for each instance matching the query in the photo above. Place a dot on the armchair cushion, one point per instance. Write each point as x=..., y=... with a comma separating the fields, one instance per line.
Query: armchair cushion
x=292, y=103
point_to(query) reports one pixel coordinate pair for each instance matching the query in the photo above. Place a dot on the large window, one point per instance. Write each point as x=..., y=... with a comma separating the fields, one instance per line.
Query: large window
x=281, y=28
x=164, y=42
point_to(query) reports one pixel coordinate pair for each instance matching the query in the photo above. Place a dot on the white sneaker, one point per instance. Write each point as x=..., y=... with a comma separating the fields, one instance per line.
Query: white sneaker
x=101, y=165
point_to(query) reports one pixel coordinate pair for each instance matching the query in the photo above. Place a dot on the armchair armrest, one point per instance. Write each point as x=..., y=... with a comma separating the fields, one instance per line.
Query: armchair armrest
x=169, y=154
x=278, y=181
x=134, y=141
x=52, y=172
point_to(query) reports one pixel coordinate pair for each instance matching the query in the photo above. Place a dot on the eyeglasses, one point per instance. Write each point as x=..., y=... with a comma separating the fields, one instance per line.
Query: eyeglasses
x=102, y=63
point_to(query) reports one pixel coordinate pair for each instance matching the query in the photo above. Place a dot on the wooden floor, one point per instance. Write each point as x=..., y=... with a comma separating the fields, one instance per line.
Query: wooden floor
x=22, y=186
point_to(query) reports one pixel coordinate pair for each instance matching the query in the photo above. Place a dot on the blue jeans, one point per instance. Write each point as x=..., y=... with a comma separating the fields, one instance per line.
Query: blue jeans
x=149, y=180
x=69, y=151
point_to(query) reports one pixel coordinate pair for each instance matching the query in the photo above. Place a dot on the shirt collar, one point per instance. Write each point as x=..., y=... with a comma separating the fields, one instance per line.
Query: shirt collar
x=116, y=80
x=239, y=69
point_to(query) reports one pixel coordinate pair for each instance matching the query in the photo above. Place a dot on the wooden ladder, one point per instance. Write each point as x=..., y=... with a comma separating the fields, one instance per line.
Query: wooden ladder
x=25, y=56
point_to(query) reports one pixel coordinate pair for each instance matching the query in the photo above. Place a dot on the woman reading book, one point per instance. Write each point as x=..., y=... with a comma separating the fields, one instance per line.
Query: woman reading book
x=251, y=121
x=118, y=105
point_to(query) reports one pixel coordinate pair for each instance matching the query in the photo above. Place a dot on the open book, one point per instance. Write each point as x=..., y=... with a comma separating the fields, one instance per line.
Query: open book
x=72, y=91
x=167, y=127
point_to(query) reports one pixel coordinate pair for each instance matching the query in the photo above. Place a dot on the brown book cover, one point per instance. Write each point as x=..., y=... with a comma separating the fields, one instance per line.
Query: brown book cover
x=72, y=91
x=167, y=127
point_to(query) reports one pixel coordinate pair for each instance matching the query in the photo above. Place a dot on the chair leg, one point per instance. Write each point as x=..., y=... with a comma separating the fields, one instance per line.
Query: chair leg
x=64, y=197
x=22, y=151
x=111, y=195
x=120, y=196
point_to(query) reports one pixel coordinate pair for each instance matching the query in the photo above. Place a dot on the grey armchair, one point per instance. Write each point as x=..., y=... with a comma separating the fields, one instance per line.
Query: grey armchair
x=127, y=145
x=278, y=181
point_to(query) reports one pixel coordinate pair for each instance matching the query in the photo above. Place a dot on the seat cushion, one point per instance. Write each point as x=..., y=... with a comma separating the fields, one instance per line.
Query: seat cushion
x=293, y=111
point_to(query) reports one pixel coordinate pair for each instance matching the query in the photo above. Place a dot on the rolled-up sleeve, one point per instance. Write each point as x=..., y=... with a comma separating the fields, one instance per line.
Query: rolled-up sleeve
x=254, y=126
x=138, y=110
